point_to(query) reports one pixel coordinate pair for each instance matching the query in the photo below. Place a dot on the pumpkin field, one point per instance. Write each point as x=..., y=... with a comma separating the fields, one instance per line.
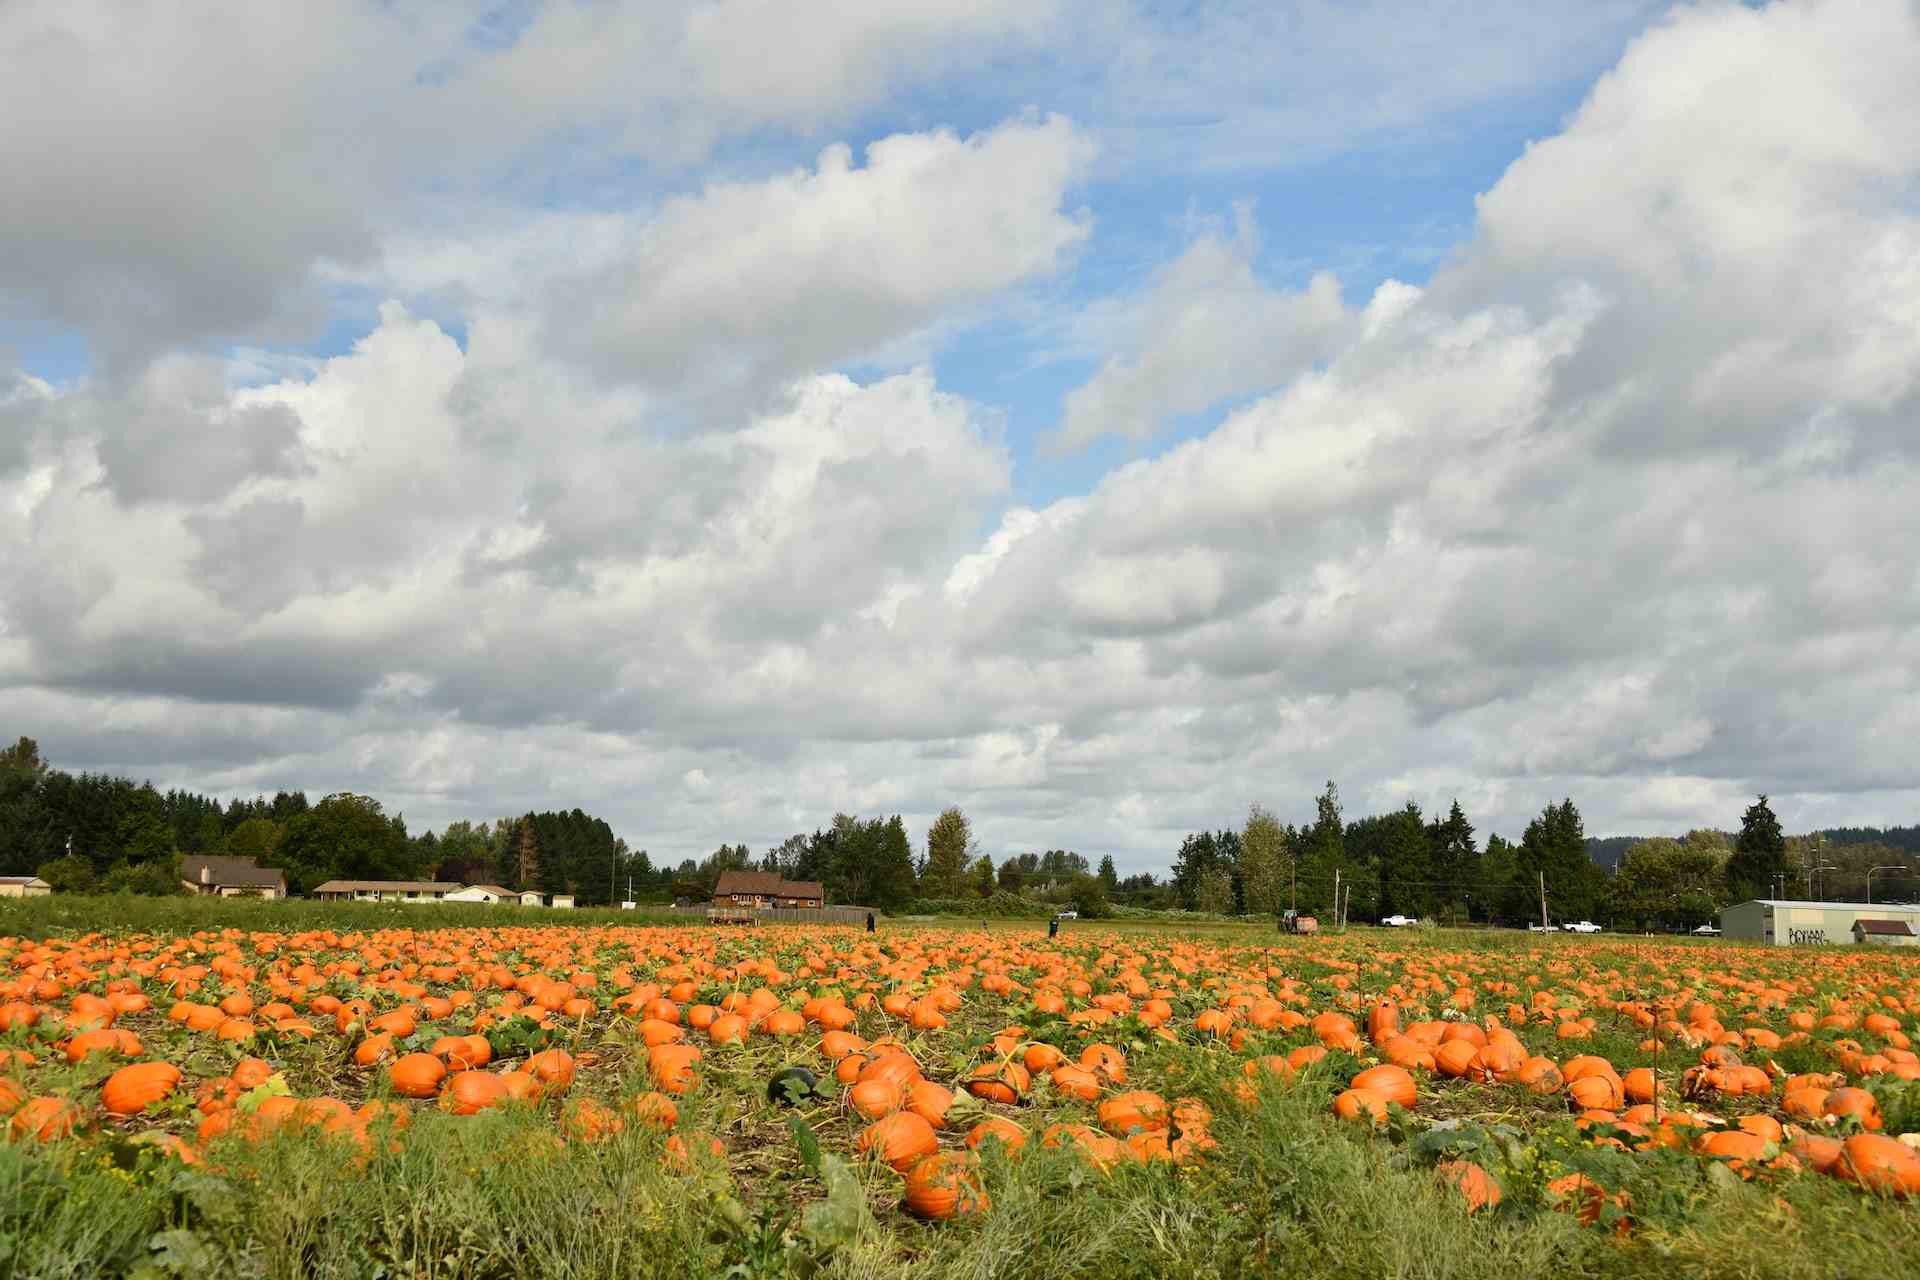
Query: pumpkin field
x=608, y=1099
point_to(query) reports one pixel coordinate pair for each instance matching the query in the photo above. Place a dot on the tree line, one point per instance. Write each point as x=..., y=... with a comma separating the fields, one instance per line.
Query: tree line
x=1405, y=863
x=94, y=832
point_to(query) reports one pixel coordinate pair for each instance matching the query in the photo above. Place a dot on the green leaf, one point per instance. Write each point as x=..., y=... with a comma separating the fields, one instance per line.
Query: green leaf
x=809, y=1145
x=274, y=1086
x=839, y=1219
x=1722, y=1178
x=182, y=1253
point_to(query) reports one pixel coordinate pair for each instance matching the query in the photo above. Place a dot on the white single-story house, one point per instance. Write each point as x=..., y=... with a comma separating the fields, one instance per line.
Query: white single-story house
x=530, y=898
x=489, y=893
x=384, y=890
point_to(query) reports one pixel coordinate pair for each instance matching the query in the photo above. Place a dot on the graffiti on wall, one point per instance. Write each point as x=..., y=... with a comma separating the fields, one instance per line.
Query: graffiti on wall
x=1807, y=937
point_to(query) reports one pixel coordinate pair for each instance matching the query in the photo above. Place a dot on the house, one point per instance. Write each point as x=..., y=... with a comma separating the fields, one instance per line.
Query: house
x=532, y=898
x=1885, y=933
x=490, y=893
x=562, y=901
x=755, y=889
x=384, y=891
x=217, y=877
x=24, y=887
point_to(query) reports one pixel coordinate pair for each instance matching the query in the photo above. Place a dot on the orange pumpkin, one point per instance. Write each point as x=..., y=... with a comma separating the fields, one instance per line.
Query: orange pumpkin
x=946, y=1185
x=44, y=1119
x=1139, y=1110
x=900, y=1140
x=1880, y=1163
x=1395, y=1084
x=998, y=1129
x=131, y=1090
x=1475, y=1185
x=553, y=1068
x=1857, y=1103
x=467, y=1093
x=1359, y=1104
x=417, y=1075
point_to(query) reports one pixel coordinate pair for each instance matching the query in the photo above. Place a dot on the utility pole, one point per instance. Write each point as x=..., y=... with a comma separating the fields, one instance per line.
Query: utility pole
x=1543, y=902
x=1336, y=897
x=1344, y=905
x=1293, y=884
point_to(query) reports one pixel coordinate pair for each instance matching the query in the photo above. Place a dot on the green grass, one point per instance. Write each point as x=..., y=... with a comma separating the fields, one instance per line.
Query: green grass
x=65, y=914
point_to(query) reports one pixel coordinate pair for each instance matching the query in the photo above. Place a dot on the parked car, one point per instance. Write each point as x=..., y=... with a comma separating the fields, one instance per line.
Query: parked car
x=1068, y=914
x=1399, y=922
x=1582, y=926
x=1707, y=929
x=1543, y=928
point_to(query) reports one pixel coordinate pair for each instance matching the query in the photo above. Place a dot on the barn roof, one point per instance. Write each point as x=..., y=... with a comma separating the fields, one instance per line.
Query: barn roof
x=770, y=884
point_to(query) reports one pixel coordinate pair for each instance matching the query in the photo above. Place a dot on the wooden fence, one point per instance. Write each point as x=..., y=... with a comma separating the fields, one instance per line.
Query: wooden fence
x=775, y=915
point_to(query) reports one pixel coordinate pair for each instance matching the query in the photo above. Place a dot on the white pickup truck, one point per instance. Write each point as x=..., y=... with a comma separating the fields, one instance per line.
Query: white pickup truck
x=1581, y=926
x=1399, y=922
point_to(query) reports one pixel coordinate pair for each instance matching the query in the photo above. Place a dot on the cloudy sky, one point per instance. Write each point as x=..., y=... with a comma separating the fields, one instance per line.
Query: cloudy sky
x=1101, y=415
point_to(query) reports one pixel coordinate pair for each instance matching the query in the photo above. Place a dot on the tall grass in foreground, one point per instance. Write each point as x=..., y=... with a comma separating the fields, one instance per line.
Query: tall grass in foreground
x=1289, y=1192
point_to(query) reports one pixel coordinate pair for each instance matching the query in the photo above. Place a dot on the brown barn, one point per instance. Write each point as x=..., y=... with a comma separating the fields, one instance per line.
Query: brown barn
x=766, y=889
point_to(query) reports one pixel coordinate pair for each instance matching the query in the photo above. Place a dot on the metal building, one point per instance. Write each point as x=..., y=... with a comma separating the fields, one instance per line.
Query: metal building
x=1790, y=923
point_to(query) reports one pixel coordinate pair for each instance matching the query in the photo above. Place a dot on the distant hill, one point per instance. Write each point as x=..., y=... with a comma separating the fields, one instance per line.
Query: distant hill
x=1906, y=839
x=1608, y=850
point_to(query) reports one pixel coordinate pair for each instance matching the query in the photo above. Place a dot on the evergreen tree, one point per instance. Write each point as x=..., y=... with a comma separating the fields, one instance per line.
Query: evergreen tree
x=1498, y=895
x=1405, y=869
x=1323, y=853
x=1555, y=845
x=1109, y=878
x=1759, y=854
x=1197, y=859
x=1454, y=858
x=29, y=826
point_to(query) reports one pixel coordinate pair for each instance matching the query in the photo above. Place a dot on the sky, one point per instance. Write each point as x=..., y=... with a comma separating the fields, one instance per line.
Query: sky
x=1103, y=415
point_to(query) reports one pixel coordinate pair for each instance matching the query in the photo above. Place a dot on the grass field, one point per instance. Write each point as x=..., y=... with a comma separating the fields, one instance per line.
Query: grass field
x=241, y=1169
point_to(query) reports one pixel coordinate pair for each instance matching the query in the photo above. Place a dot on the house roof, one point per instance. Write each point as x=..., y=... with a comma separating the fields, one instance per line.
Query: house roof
x=385, y=886
x=770, y=884
x=22, y=880
x=495, y=889
x=1891, y=928
x=244, y=872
